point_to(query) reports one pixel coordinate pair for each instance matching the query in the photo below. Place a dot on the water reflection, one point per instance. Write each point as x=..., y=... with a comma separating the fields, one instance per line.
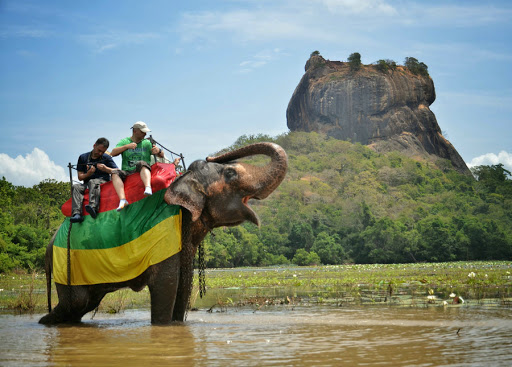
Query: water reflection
x=302, y=336
x=122, y=343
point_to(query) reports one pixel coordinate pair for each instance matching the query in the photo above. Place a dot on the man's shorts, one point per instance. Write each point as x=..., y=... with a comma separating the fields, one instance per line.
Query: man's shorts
x=138, y=168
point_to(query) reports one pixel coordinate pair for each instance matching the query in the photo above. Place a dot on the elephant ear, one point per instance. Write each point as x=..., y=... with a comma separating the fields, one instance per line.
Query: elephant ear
x=187, y=192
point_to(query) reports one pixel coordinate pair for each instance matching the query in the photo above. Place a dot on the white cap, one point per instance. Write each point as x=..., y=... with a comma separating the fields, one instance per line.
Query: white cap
x=142, y=126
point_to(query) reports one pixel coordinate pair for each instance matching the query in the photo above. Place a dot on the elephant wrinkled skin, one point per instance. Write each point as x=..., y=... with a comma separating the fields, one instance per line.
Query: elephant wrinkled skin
x=214, y=193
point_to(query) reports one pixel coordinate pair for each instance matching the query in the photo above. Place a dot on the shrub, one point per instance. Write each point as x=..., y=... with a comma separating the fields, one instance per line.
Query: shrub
x=354, y=61
x=385, y=65
x=416, y=67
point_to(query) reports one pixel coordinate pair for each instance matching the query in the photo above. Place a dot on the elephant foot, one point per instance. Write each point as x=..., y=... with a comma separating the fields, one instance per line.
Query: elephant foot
x=57, y=317
x=49, y=319
x=161, y=322
x=54, y=320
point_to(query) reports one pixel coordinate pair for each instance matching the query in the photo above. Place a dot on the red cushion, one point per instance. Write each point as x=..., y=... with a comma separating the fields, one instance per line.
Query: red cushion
x=162, y=174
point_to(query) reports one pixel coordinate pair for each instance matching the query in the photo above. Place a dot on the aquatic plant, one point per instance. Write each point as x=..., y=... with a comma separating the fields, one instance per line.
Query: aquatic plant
x=447, y=284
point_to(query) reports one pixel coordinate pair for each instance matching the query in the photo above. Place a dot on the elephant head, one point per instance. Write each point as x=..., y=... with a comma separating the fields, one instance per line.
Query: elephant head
x=218, y=190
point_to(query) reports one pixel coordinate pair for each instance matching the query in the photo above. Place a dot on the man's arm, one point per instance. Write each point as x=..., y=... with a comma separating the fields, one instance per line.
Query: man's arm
x=106, y=169
x=118, y=150
x=109, y=166
x=82, y=167
x=85, y=175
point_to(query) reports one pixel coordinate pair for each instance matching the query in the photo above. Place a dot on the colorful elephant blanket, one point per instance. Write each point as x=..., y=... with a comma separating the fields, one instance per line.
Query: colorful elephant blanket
x=118, y=246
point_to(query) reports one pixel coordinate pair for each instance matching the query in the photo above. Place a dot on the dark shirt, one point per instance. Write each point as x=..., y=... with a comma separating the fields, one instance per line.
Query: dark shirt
x=86, y=159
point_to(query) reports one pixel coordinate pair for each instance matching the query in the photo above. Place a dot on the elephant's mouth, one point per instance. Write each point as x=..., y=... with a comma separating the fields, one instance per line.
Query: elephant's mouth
x=250, y=215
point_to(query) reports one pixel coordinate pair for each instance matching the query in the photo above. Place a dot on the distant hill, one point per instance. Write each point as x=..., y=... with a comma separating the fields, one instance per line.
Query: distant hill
x=384, y=106
x=343, y=202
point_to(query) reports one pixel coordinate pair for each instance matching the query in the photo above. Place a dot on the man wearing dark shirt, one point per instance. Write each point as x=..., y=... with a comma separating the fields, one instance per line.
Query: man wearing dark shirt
x=94, y=168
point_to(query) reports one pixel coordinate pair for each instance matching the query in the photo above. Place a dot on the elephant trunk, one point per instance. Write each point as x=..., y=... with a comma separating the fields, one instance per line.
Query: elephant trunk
x=272, y=174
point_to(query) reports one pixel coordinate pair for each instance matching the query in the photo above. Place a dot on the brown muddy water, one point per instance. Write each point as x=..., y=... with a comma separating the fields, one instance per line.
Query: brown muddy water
x=285, y=336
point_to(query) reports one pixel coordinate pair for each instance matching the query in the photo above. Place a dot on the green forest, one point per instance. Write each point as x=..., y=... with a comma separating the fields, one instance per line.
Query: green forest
x=340, y=203
x=28, y=219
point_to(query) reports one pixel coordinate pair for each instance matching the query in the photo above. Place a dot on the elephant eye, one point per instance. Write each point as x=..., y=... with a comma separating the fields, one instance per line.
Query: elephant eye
x=230, y=174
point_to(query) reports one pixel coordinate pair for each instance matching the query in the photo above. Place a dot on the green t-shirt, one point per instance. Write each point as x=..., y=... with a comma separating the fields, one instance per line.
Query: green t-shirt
x=132, y=156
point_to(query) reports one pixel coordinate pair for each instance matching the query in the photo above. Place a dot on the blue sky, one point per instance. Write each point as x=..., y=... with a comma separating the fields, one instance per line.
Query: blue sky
x=203, y=73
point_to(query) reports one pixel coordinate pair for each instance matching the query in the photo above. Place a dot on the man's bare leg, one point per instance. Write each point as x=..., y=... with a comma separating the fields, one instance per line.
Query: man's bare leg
x=119, y=187
x=145, y=176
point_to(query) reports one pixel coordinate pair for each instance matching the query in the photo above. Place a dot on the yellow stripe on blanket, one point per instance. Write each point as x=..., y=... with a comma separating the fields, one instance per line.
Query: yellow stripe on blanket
x=122, y=263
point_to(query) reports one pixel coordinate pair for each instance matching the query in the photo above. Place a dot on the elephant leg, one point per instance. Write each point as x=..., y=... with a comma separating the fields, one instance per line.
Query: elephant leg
x=82, y=301
x=163, y=285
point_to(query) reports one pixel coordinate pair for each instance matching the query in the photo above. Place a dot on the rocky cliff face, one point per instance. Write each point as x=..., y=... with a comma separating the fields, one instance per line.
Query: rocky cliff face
x=384, y=110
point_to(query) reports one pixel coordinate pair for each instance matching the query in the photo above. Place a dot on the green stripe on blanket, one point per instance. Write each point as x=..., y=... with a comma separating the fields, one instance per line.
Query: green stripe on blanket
x=118, y=246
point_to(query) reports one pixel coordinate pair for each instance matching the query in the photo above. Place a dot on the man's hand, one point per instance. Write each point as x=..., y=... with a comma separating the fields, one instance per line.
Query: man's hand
x=157, y=151
x=91, y=170
x=102, y=167
x=131, y=146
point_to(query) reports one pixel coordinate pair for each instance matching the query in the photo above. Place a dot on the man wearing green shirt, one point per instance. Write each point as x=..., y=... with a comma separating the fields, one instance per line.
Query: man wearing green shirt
x=136, y=154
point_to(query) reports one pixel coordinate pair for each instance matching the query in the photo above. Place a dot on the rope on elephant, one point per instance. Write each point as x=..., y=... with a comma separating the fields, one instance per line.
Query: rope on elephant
x=153, y=141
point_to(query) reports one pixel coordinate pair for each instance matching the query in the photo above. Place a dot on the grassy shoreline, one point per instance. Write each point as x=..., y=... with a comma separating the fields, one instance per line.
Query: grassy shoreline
x=416, y=285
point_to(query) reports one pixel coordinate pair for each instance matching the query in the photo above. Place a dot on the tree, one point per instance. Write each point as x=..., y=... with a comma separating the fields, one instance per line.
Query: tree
x=301, y=236
x=438, y=240
x=415, y=66
x=492, y=177
x=216, y=252
x=329, y=248
x=315, y=53
x=304, y=258
x=246, y=248
x=385, y=65
x=354, y=61
x=367, y=217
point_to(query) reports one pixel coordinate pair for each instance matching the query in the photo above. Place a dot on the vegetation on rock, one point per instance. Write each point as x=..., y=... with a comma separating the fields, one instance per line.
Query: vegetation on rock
x=415, y=66
x=385, y=65
x=354, y=60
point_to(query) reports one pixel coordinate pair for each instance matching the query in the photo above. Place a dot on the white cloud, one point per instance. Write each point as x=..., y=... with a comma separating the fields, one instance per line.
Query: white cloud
x=377, y=7
x=24, y=32
x=329, y=20
x=31, y=169
x=259, y=60
x=100, y=42
x=272, y=23
x=488, y=159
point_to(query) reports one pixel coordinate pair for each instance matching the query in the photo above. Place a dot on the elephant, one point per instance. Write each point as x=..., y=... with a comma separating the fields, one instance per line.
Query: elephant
x=212, y=193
